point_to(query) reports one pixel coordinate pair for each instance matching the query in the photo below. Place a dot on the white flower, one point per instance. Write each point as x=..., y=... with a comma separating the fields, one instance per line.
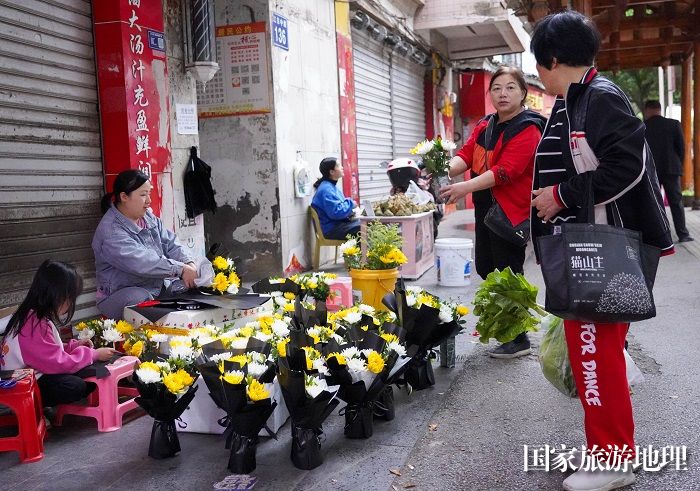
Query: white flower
x=351, y=352
x=275, y=294
x=314, y=386
x=186, y=340
x=148, y=376
x=337, y=337
x=239, y=343
x=314, y=331
x=86, y=333
x=398, y=347
x=448, y=145
x=353, y=317
x=256, y=369
x=356, y=364
x=181, y=352
x=108, y=323
x=424, y=147
x=280, y=328
x=410, y=300
x=164, y=365
x=347, y=245
x=274, y=281
x=391, y=315
x=320, y=365
x=229, y=262
x=255, y=325
x=256, y=357
x=221, y=356
x=366, y=352
x=111, y=335
x=262, y=336
x=445, y=313
x=415, y=290
x=366, y=309
x=232, y=289
x=159, y=338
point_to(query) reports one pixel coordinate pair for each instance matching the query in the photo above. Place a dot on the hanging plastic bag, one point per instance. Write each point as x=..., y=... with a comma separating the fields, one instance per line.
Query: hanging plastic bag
x=417, y=195
x=554, y=356
x=634, y=374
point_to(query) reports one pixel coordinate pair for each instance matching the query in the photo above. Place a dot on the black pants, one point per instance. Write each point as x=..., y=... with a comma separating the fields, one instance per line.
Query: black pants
x=492, y=252
x=672, y=187
x=63, y=389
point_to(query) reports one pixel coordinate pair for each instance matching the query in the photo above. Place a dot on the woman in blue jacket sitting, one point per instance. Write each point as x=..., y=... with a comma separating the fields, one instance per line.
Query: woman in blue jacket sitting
x=335, y=211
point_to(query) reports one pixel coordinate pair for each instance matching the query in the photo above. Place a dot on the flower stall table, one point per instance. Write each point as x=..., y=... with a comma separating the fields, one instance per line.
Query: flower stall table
x=417, y=232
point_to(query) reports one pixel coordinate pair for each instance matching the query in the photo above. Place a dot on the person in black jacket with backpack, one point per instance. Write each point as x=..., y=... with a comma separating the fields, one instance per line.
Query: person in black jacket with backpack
x=665, y=138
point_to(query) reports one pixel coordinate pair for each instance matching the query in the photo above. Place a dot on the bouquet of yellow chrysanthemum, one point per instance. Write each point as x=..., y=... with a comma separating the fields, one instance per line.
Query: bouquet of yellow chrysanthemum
x=143, y=342
x=104, y=332
x=382, y=244
x=226, y=280
x=240, y=380
x=166, y=388
x=315, y=284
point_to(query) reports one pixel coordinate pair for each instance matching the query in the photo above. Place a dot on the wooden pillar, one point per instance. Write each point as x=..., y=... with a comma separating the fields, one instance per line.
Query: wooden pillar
x=696, y=124
x=686, y=121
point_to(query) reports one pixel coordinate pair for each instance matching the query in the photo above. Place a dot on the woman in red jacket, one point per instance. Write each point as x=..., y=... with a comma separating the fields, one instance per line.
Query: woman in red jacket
x=501, y=170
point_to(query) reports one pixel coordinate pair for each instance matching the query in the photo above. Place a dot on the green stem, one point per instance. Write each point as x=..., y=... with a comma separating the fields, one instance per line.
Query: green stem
x=540, y=310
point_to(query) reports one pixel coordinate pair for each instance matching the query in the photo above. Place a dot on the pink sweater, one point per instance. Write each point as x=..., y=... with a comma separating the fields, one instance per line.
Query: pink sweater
x=42, y=351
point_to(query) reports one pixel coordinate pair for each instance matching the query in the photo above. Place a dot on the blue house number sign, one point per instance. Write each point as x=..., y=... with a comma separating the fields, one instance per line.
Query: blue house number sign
x=280, y=33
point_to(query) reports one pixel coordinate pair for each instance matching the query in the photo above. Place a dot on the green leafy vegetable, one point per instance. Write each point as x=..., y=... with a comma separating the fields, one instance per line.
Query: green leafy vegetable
x=504, y=303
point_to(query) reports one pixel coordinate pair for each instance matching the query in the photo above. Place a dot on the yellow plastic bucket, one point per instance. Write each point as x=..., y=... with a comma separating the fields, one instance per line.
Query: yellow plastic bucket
x=370, y=285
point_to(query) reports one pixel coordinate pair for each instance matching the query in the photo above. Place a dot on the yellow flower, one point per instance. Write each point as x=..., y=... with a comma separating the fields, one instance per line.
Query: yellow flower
x=256, y=391
x=220, y=263
x=315, y=338
x=288, y=307
x=136, y=349
x=178, y=381
x=352, y=251
x=246, y=332
x=124, y=327
x=150, y=333
x=80, y=326
x=240, y=359
x=394, y=256
x=375, y=362
x=289, y=295
x=234, y=378
x=462, y=310
x=282, y=347
x=390, y=338
x=312, y=285
x=331, y=276
x=233, y=279
x=149, y=365
x=220, y=283
x=425, y=299
x=340, y=358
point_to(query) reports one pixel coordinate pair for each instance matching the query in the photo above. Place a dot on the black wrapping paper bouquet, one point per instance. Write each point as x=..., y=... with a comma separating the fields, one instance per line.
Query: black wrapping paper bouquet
x=166, y=388
x=309, y=398
x=428, y=321
x=239, y=382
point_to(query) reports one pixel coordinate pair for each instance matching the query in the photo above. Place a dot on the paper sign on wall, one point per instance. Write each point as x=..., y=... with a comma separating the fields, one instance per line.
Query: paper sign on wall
x=186, y=115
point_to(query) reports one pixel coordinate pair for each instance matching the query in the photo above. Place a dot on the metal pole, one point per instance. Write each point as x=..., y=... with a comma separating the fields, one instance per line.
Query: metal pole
x=687, y=122
x=662, y=92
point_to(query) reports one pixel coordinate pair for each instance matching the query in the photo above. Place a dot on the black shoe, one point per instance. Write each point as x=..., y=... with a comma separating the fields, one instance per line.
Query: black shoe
x=685, y=239
x=513, y=349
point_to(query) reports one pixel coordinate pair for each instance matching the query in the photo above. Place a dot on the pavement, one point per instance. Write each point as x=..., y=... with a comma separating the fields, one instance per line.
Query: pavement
x=467, y=432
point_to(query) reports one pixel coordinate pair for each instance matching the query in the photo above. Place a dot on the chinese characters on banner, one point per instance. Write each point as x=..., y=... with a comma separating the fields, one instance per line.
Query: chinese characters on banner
x=241, y=86
x=133, y=91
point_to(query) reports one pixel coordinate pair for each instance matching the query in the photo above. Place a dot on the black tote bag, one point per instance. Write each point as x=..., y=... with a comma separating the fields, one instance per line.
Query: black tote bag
x=598, y=273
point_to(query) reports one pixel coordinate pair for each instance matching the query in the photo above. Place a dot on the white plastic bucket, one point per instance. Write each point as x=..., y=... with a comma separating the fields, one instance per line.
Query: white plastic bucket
x=453, y=259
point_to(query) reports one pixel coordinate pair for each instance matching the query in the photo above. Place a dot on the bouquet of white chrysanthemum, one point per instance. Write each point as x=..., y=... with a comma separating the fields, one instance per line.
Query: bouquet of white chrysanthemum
x=435, y=154
x=315, y=284
x=166, y=387
x=104, y=332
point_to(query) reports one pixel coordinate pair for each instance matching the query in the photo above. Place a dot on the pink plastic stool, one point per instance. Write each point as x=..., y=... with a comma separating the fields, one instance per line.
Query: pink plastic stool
x=342, y=288
x=103, y=403
x=24, y=399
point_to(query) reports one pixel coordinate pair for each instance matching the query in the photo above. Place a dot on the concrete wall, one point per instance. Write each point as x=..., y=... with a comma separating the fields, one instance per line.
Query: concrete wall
x=305, y=81
x=181, y=91
x=241, y=152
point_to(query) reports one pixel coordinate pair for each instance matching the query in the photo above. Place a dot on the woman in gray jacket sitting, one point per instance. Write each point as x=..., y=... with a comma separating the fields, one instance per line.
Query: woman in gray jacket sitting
x=134, y=252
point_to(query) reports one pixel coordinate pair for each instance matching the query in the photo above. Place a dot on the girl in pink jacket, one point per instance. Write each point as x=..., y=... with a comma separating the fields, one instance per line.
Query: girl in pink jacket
x=31, y=340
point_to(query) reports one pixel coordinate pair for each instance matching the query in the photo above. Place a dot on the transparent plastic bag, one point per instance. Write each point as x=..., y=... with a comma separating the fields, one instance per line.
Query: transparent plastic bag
x=417, y=195
x=554, y=356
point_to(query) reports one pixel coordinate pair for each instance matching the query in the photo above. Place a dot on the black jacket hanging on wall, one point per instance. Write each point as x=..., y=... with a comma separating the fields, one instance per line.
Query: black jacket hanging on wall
x=199, y=195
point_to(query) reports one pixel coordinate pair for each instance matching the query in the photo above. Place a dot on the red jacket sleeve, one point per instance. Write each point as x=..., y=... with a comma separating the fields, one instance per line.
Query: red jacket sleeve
x=517, y=156
x=467, y=150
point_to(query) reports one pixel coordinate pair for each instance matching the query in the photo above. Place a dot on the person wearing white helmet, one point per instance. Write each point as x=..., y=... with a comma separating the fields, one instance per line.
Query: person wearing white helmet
x=401, y=172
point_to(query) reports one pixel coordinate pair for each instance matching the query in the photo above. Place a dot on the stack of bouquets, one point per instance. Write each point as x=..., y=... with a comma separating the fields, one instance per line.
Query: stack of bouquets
x=104, y=332
x=166, y=387
x=309, y=398
x=226, y=280
x=428, y=321
x=283, y=291
x=239, y=381
x=364, y=364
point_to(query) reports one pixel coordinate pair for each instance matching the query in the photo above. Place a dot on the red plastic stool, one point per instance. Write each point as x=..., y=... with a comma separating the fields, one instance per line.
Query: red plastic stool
x=342, y=288
x=103, y=403
x=25, y=401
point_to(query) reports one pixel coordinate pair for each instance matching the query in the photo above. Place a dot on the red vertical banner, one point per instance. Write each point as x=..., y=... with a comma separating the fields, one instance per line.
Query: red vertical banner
x=133, y=88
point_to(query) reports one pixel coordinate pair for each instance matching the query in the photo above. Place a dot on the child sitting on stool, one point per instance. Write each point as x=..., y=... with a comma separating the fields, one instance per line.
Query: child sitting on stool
x=31, y=339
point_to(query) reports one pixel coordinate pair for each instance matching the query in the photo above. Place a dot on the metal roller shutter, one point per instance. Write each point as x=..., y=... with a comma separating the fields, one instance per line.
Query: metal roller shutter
x=389, y=111
x=51, y=175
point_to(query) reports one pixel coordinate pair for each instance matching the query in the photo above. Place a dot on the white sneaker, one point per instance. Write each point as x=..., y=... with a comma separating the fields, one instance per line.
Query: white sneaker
x=598, y=480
